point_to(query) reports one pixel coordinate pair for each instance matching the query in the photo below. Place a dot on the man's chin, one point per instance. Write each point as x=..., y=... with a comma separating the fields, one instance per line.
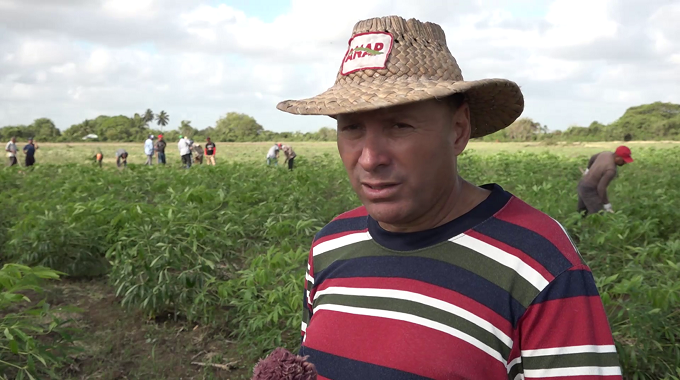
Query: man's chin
x=387, y=212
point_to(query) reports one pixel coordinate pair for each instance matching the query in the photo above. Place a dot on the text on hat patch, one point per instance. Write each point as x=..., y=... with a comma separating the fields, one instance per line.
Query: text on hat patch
x=367, y=51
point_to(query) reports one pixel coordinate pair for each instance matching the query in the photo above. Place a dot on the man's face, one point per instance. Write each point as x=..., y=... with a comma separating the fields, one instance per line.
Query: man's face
x=13, y=139
x=619, y=161
x=401, y=160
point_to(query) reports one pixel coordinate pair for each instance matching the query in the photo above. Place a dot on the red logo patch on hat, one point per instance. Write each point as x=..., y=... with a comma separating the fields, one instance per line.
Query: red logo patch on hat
x=367, y=51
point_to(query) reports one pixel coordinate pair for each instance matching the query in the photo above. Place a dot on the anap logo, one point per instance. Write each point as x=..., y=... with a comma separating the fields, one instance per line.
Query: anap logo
x=367, y=51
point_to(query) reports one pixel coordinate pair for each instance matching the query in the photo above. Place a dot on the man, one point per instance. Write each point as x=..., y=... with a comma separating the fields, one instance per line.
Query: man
x=11, y=149
x=273, y=154
x=160, y=149
x=198, y=153
x=148, y=150
x=29, y=151
x=290, y=155
x=210, y=151
x=434, y=277
x=184, y=151
x=601, y=170
x=121, y=157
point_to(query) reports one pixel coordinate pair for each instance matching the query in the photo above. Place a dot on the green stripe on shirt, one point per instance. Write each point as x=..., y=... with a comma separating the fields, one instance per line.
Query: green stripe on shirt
x=420, y=310
x=506, y=278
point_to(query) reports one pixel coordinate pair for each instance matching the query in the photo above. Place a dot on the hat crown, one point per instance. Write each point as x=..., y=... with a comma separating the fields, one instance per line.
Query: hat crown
x=417, y=51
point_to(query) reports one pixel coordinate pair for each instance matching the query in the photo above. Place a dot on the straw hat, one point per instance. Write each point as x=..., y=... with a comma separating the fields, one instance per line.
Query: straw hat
x=392, y=61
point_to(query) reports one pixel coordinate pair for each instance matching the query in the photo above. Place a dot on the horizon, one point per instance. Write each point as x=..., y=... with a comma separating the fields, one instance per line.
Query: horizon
x=74, y=60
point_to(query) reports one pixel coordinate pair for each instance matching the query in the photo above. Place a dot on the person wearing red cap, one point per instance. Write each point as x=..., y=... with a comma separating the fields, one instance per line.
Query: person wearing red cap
x=160, y=149
x=601, y=170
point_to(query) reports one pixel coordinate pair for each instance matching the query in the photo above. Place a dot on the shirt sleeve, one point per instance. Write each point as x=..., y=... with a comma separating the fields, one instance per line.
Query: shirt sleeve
x=307, y=295
x=565, y=333
x=607, y=177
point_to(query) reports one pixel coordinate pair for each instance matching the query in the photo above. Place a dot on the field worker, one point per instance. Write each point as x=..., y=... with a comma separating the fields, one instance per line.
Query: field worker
x=198, y=153
x=99, y=157
x=210, y=151
x=121, y=157
x=11, y=149
x=273, y=154
x=435, y=277
x=601, y=170
x=160, y=149
x=290, y=155
x=29, y=151
x=148, y=150
x=184, y=151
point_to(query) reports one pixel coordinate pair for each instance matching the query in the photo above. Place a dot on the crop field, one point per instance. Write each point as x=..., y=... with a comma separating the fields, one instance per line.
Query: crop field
x=80, y=153
x=195, y=274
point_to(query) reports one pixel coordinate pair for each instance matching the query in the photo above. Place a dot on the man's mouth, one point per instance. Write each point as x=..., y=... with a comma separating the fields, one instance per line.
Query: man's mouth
x=379, y=186
x=374, y=191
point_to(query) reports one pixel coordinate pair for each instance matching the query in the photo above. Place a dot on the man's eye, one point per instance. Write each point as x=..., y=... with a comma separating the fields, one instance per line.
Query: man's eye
x=402, y=126
x=350, y=128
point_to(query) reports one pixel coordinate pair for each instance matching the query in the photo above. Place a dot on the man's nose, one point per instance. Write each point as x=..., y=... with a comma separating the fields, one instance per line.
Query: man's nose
x=375, y=150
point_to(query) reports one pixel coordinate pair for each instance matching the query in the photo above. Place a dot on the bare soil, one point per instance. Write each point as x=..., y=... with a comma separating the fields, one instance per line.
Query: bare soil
x=117, y=344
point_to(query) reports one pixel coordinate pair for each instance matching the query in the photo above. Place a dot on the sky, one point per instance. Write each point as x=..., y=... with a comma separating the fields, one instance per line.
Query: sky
x=577, y=61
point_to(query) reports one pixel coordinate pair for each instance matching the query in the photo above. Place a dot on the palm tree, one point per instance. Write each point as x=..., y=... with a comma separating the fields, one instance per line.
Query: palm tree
x=148, y=116
x=162, y=119
x=185, y=128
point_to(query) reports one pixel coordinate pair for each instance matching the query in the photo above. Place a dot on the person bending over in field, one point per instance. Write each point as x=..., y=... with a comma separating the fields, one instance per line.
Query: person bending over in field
x=433, y=276
x=197, y=150
x=273, y=154
x=601, y=170
x=29, y=151
x=99, y=157
x=11, y=149
x=210, y=151
x=121, y=158
x=290, y=155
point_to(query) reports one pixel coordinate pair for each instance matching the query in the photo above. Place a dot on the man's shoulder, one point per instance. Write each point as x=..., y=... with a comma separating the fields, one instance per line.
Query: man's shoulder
x=534, y=235
x=353, y=221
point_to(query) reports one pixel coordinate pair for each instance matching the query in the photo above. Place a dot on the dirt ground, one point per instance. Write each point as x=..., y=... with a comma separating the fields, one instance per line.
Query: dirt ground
x=117, y=344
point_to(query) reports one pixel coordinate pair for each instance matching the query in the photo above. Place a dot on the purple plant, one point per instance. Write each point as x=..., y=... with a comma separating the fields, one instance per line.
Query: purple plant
x=283, y=365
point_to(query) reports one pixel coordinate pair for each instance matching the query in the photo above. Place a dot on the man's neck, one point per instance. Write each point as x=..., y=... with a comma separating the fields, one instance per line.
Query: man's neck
x=461, y=199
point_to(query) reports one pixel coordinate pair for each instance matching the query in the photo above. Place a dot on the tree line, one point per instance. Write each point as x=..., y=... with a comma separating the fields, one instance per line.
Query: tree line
x=656, y=121
x=233, y=127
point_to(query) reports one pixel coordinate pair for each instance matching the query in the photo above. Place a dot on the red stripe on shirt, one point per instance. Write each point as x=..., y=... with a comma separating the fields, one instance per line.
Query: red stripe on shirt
x=357, y=212
x=519, y=213
x=381, y=341
x=574, y=321
x=513, y=251
x=426, y=289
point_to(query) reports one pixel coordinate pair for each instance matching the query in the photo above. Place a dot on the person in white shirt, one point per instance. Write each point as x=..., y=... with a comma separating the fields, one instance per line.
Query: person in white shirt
x=149, y=150
x=11, y=149
x=185, y=151
x=273, y=154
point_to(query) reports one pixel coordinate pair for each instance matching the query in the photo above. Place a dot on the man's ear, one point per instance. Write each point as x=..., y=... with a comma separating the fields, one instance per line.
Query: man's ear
x=462, y=128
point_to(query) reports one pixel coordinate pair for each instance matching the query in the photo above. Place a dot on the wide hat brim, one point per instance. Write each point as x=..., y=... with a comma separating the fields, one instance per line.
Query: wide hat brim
x=391, y=61
x=494, y=103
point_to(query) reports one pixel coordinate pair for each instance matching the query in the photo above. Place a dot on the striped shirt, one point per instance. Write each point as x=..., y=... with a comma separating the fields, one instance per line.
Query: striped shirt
x=499, y=293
